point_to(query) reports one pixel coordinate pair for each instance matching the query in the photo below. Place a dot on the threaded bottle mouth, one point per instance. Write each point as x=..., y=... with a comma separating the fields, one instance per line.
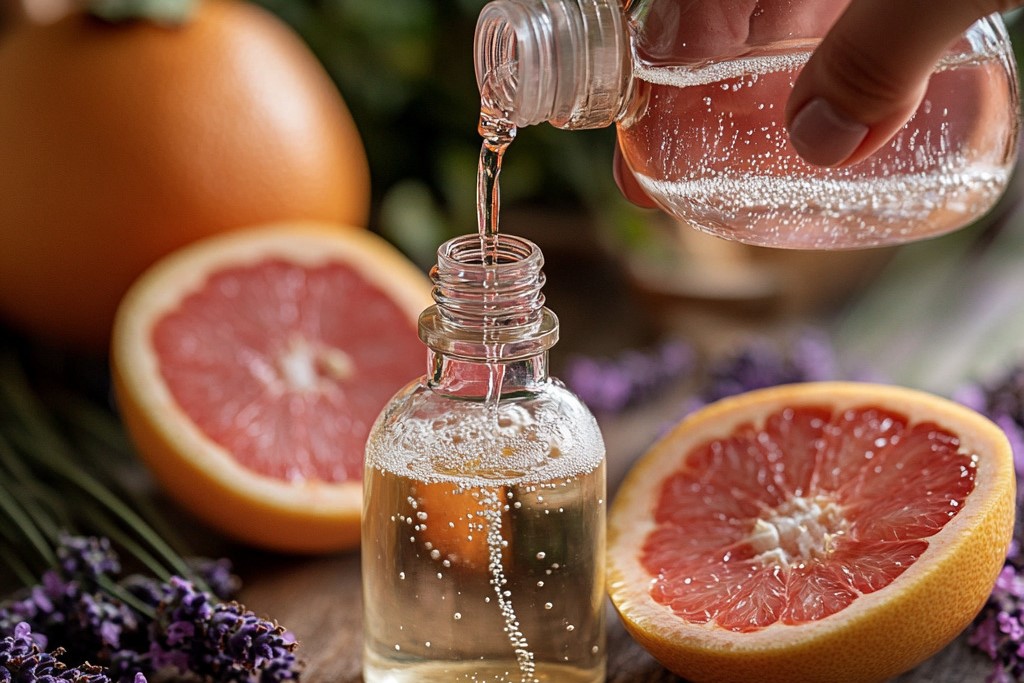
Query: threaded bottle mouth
x=488, y=311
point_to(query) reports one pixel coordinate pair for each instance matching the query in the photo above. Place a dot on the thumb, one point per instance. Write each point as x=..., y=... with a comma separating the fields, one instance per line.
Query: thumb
x=870, y=72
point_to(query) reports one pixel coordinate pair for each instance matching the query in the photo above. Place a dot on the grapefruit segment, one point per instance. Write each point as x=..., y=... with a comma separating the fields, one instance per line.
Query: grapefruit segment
x=461, y=541
x=815, y=532
x=250, y=367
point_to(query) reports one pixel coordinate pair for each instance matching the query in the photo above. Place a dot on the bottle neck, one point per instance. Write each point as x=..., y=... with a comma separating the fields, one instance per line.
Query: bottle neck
x=566, y=62
x=472, y=379
x=489, y=322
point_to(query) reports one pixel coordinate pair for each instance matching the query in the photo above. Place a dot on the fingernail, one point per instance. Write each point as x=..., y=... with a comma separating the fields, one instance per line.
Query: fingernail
x=823, y=136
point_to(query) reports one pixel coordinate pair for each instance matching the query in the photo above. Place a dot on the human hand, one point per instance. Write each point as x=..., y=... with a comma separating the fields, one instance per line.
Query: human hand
x=859, y=87
x=870, y=72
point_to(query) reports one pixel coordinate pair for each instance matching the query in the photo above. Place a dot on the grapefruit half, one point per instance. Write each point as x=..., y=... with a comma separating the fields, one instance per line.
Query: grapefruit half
x=832, y=532
x=249, y=368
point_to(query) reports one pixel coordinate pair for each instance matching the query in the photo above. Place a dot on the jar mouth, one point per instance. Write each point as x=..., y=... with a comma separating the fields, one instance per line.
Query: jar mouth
x=489, y=309
x=468, y=252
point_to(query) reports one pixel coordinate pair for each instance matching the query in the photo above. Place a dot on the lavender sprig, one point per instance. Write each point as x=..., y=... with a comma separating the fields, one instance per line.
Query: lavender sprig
x=224, y=640
x=46, y=484
x=761, y=363
x=62, y=473
x=23, y=660
x=998, y=631
x=611, y=385
x=180, y=628
x=1003, y=402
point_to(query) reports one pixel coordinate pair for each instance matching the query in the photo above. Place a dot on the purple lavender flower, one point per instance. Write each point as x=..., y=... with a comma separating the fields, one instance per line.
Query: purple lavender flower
x=614, y=384
x=1000, y=675
x=985, y=636
x=22, y=660
x=222, y=641
x=1015, y=435
x=67, y=609
x=218, y=576
x=188, y=630
x=87, y=557
x=999, y=629
x=763, y=363
x=86, y=624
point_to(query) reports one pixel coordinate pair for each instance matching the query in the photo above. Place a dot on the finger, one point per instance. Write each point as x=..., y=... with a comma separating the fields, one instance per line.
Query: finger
x=870, y=72
x=775, y=21
x=675, y=32
x=627, y=182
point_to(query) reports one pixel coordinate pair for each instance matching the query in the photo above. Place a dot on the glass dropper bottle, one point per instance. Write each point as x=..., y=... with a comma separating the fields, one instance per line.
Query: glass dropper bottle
x=484, y=495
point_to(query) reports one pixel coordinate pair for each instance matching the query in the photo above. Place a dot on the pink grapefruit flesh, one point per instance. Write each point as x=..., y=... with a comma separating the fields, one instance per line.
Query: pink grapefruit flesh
x=829, y=532
x=793, y=521
x=250, y=367
x=286, y=366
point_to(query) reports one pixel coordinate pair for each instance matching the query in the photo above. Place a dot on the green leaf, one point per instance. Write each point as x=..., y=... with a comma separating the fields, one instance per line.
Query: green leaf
x=33, y=434
x=168, y=12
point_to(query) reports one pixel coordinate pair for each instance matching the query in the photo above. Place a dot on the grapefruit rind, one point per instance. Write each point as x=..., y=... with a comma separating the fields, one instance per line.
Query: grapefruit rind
x=202, y=476
x=880, y=634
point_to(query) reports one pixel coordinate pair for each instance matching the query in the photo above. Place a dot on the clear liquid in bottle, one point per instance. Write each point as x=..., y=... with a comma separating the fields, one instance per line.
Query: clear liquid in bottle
x=489, y=567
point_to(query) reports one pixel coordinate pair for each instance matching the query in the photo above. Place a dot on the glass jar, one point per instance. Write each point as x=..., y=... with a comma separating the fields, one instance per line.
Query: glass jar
x=698, y=90
x=484, y=495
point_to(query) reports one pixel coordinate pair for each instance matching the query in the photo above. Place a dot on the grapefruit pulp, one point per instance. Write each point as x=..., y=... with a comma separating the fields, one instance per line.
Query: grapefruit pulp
x=250, y=367
x=832, y=532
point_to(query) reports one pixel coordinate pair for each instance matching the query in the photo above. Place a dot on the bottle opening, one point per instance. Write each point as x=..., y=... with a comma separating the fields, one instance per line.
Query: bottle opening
x=497, y=66
x=490, y=311
x=509, y=250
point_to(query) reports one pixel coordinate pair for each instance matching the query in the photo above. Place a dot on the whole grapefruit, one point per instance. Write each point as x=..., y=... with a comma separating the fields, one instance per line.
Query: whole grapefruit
x=120, y=142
